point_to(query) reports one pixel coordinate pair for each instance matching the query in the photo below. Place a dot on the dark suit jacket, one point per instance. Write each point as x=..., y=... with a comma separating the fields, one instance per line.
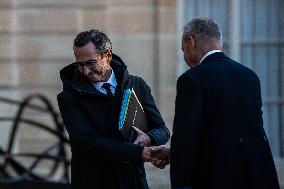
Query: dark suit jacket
x=218, y=137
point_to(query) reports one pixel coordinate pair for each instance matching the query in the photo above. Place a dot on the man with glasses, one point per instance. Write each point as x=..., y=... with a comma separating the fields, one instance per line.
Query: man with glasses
x=90, y=105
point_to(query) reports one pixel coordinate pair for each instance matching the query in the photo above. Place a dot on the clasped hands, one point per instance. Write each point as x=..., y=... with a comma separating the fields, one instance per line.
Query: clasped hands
x=159, y=156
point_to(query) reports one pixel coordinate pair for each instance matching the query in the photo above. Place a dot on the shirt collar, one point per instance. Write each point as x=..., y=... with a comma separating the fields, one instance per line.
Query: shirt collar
x=209, y=53
x=111, y=80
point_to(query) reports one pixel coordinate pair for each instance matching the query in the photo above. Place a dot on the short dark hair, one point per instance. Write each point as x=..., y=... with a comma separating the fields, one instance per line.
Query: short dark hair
x=203, y=28
x=99, y=39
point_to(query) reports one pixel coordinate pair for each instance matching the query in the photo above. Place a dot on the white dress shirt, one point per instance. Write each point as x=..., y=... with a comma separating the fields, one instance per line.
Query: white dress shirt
x=209, y=53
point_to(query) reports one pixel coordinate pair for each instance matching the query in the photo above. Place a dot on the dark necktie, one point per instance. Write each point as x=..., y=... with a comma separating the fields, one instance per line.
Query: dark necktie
x=106, y=86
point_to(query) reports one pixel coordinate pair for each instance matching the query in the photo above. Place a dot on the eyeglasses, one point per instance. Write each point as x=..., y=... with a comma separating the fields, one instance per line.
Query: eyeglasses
x=88, y=63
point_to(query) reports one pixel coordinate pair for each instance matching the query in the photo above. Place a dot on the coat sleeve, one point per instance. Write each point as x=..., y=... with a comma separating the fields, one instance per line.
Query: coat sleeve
x=187, y=131
x=87, y=141
x=159, y=133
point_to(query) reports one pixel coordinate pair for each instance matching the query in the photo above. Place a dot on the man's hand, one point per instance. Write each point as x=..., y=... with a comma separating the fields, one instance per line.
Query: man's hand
x=162, y=151
x=161, y=156
x=142, y=138
x=147, y=154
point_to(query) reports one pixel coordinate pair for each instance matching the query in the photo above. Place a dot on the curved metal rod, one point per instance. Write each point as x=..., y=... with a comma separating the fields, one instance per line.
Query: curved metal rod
x=40, y=125
x=31, y=106
x=29, y=170
x=46, y=156
x=26, y=173
x=21, y=109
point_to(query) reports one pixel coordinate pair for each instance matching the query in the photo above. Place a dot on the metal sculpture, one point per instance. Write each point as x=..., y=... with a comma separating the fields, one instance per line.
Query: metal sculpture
x=12, y=171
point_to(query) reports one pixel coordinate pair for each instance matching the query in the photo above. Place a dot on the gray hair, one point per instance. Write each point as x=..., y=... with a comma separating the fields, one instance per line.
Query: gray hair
x=203, y=29
x=99, y=39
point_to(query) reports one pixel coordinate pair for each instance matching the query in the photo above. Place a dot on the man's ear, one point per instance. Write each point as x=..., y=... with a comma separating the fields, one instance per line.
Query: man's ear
x=191, y=42
x=109, y=56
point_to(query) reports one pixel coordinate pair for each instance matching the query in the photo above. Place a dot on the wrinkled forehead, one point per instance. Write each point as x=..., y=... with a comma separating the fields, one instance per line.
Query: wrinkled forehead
x=85, y=52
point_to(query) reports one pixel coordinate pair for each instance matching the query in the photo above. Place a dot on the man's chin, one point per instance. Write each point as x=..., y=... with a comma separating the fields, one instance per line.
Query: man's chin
x=96, y=79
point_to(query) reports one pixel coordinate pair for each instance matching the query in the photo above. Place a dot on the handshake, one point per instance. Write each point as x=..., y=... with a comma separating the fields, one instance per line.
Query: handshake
x=159, y=156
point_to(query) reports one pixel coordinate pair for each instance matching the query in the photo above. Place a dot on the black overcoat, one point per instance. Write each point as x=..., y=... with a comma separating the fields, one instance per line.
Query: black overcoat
x=100, y=157
x=218, y=137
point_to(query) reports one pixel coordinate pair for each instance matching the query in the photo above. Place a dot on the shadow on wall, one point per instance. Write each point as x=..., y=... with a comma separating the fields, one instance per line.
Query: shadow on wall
x=46, y=168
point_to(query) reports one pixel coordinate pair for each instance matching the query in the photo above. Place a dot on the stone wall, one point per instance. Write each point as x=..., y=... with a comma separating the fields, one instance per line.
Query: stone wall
x=36, y=42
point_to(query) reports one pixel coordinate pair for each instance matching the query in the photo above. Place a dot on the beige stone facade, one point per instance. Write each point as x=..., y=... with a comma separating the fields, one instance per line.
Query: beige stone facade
x=36, y=42
x=36, y=39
